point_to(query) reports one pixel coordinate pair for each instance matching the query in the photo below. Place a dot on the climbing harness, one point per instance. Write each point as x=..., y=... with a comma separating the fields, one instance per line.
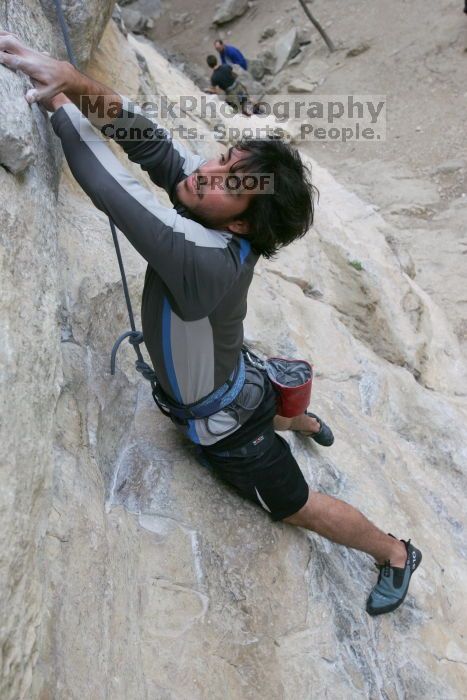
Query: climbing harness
x=208, y=406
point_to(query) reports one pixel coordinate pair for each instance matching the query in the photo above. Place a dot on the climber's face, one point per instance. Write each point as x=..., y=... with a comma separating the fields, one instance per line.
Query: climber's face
x=218, y=194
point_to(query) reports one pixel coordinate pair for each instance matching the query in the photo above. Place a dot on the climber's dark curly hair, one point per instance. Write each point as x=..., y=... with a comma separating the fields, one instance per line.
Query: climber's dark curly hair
x=286, y=213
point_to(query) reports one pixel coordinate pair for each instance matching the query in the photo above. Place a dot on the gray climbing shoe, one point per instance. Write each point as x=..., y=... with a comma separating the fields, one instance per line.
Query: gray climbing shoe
x=393, y=583
x=324, y=436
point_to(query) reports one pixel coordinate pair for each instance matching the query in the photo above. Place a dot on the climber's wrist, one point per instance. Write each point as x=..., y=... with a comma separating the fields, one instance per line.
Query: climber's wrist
x=58, y=101
x=74, y=82
x=94, y=99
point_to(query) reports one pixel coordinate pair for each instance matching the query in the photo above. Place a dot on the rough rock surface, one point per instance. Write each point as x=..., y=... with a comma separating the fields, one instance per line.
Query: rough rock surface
x=86, y=21
x=133, y=20
x=16, y=145
x=268, y=60
x=30, y=357
x=287, y=46
x=128, y=571
x=141, y=15
x=298, y=85
x=229, y=10
x=256, y=68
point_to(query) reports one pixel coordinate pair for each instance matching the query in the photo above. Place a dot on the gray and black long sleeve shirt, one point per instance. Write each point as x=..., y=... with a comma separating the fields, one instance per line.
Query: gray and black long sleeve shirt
x=195, y=290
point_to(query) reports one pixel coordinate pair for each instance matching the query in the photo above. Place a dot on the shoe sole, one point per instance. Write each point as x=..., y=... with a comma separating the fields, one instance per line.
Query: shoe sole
x=394, y=606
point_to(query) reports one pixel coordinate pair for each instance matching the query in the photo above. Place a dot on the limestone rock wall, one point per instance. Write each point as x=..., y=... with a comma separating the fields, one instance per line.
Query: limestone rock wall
x=30, y=355
x=130, y=572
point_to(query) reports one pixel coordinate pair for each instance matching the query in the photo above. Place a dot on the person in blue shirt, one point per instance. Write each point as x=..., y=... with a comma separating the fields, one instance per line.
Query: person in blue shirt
x=230, y=54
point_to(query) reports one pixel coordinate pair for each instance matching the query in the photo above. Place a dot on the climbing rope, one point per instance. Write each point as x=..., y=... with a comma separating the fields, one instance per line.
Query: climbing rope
x=135, y=338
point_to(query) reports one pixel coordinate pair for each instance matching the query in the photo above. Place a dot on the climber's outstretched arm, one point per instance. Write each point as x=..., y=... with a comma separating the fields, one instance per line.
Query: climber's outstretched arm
x=166, y=161
x=51, y=77
x=194, y=262
x=144, y=142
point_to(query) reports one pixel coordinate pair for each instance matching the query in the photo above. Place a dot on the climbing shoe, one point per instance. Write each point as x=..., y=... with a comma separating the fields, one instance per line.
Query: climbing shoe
x=393, y=583
x=324, y=435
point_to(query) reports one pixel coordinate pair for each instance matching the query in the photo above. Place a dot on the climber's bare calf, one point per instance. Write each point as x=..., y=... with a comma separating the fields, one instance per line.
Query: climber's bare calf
x=336, y=520
x=342, y=523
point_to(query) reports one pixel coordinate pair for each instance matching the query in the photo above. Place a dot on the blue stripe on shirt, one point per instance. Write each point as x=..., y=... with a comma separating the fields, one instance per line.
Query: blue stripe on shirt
x=169, y=365
x=245, y=248
x=167, y=350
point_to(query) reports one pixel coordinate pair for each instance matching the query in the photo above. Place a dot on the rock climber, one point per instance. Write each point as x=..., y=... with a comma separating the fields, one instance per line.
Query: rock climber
x=201, y=255
x=225, y=81
x=230, y=54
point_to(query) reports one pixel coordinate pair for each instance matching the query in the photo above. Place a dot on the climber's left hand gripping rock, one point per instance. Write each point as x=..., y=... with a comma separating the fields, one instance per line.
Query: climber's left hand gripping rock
x=48, y=75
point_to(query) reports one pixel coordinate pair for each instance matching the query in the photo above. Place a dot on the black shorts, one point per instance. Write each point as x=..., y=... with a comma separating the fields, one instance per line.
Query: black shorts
x=259, y=464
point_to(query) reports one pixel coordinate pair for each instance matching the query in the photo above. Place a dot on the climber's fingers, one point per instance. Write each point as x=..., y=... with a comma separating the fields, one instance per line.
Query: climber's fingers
x=44, y=96
x=4, y=35
x=10, y=60
x=41, y=90
x=14, y=54
x=45, y=85
x=50, y=73
x=36, y=64
x=41, y=93
x=10, y=42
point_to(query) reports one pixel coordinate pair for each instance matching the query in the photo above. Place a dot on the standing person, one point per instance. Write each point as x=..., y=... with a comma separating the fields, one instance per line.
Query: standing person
x=230, y=54
x=201, y=256
x=223, y=79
